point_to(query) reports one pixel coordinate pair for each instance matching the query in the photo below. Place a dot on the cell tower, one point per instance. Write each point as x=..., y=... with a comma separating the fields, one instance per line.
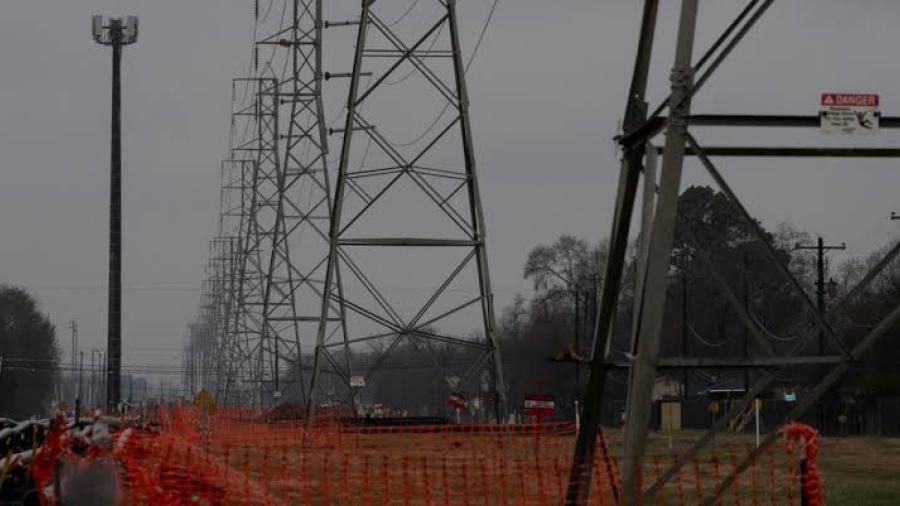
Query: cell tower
x=654, y=259
x=402, y=208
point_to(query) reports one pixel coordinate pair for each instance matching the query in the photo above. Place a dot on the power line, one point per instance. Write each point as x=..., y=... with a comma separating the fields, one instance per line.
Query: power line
x=440, y=115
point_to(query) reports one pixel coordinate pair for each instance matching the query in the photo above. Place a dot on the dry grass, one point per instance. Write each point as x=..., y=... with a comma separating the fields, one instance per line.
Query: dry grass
x=862, y=470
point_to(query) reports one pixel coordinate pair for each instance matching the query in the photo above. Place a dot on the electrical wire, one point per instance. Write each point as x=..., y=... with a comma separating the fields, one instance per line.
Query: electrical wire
x=437, y=36
x=447, y=105
x=775, y=337
x=403, y=16
x=710, y=344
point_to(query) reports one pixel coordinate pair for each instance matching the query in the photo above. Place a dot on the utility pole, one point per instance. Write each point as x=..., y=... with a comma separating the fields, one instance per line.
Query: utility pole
x=577, y=326
x=80, y=373
x=104, y=378
x=820, y=249
x=73, y=325
x=117, y=35
x=93, y=380
x=684, y=336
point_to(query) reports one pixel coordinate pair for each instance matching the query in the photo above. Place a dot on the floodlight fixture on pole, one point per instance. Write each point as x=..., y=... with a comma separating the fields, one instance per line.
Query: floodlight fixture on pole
x=116, y=33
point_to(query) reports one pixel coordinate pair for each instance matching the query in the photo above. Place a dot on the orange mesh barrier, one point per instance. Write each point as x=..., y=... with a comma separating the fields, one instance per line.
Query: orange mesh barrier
x=236, y=457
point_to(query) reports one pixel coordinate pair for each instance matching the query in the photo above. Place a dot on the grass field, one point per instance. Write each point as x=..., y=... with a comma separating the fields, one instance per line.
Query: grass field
x=860, y=470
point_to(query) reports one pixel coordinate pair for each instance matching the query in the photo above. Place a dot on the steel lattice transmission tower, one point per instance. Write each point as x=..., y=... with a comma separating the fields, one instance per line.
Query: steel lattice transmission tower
x=298, y=230
x=278, y=192
x=251, y=141
x=211, y=347
x=408, y=213
x=256, y=232
x=232, y=308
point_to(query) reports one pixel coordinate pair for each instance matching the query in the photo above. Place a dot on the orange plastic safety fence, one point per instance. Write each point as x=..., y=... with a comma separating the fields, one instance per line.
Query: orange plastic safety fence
x=239, y=457
x=449, y=464
x=805, y=438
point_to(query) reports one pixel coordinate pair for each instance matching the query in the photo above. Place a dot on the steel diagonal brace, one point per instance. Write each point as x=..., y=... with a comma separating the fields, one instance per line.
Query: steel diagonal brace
x=395, y=327
x=373, y=337
x=419, y=332
x=435, y=140
x=337, y=367
x=450, y=312
x=407, y=54
x=760, y=234
x=437, y=293
x=380, y=140
x=732, y=299
x=384, y=355
x=371, y=288
x=371, y=202
x=432, y=193
x=655, y=124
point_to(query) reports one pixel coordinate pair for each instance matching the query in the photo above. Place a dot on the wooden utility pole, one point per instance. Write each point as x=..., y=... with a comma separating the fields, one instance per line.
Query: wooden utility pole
x=820, y=248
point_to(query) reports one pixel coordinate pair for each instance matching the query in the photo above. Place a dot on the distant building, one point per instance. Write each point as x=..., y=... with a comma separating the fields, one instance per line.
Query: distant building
x=666, y=388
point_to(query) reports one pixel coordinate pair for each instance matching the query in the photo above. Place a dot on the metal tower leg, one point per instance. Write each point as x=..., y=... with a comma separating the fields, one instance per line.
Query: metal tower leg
x=656, y=268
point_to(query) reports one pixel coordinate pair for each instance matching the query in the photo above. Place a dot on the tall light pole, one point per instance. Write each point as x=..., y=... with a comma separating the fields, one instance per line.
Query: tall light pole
x=116, y=34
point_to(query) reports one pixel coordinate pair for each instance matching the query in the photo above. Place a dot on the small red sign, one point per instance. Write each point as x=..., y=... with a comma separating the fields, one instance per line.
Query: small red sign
x=540, y=405
x=457, y=401
x=850, y=100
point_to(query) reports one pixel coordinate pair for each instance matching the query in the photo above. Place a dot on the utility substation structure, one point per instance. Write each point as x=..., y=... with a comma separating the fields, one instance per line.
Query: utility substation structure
x=674, y=118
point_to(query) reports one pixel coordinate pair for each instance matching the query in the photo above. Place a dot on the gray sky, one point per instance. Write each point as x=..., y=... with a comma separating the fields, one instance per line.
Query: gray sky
x=547, y=91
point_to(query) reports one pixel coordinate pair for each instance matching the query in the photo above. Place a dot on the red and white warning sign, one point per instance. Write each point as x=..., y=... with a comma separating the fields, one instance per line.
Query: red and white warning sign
x=457, y=401
x=850, y=113
x=540, y=405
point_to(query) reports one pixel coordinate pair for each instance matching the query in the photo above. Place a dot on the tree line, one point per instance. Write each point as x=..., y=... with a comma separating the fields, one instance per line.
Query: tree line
x=543, y=338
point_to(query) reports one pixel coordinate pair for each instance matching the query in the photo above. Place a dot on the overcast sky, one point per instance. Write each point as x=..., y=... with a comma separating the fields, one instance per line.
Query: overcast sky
x=547, y=93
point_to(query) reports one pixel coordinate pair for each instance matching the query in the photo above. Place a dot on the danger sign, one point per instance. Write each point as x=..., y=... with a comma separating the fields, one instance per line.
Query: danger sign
x=850, y=113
